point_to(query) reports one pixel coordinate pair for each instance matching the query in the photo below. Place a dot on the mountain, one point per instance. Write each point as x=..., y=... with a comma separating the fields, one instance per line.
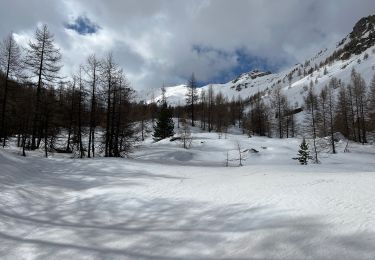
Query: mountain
x=356, y=50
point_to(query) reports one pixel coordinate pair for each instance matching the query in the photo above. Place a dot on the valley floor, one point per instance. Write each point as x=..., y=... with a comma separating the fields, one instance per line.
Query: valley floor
x=170, y=203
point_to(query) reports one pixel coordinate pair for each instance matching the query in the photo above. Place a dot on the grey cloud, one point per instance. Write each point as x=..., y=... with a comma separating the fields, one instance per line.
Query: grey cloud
x=153, y=40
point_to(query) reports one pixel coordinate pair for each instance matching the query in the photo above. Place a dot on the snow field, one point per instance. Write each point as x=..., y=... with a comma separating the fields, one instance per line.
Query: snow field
x=170, y=203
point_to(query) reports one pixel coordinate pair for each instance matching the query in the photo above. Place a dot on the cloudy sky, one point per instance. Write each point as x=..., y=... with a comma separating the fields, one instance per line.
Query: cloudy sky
x=158, y=41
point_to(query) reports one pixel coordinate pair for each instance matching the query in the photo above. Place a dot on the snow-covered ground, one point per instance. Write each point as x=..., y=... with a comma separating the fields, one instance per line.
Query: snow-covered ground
x=170, y=203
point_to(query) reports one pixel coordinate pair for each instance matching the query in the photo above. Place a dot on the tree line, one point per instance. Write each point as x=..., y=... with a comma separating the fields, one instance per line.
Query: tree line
x=38, y=104
x=95, y=110
x=348, y=109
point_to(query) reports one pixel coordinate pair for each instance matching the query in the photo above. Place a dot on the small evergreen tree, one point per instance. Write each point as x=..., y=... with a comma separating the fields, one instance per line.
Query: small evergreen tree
x=164, y=125
x=303, y=153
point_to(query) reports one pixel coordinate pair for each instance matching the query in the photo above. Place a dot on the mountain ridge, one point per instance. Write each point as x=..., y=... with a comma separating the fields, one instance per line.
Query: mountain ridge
x=355, y=51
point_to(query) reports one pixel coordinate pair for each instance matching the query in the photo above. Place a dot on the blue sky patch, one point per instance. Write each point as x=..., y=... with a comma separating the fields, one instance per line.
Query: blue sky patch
x=83, y=26
x=245, y=63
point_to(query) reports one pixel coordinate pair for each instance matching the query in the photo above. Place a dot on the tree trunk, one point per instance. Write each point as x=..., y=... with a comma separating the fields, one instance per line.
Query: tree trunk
x=70, y=120
x=36, y=121
x=3, y=130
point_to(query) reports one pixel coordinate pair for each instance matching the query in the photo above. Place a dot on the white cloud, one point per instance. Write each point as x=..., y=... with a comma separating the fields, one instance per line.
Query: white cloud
x=153, y=40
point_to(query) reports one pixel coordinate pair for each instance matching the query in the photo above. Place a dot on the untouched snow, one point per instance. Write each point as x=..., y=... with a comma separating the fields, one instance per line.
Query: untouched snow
x=170, y=203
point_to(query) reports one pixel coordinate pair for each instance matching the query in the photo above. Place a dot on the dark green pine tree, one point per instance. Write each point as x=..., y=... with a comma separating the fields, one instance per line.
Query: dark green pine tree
x=303, y=153
x=164, y=124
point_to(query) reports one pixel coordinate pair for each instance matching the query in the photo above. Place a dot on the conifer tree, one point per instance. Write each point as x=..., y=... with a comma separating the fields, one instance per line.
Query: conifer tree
x=192, y=96
x=10, y=64
x=311, y=103
x=92, y=73
x=303, y=153
x=43, y=60
x=164, y=124
x=371, y=103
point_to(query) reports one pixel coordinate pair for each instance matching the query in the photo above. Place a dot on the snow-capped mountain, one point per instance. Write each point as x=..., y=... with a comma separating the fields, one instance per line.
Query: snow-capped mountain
x=356, y=51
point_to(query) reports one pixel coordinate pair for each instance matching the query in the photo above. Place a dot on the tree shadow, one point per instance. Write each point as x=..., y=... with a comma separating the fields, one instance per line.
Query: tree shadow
x=170, y=229
x=71, y=174
x=52, y=212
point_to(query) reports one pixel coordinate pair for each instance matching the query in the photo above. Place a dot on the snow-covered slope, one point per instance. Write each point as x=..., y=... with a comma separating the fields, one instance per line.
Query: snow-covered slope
x=338, y=61
x=175, y=95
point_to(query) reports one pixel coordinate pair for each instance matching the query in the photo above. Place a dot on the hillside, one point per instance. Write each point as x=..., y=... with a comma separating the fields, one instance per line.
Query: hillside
x=356, y=50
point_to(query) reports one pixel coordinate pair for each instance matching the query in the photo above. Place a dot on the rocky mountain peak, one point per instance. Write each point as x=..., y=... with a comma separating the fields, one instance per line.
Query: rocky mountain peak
x=360, y=39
